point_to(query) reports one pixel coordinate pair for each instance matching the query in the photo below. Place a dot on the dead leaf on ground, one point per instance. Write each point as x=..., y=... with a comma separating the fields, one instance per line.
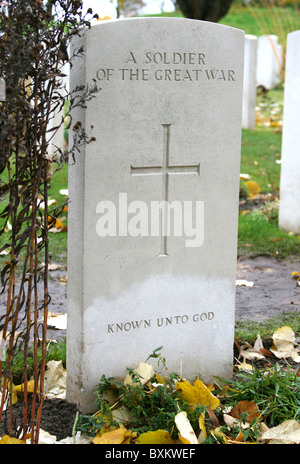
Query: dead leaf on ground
x=121, y=414
x=186, y=432
x=7, y=440
x=145, y=372
x=57, y=321
x=286, y=433
x=30, y=386
x=203, y=432
x=247, y=410
x=64, y=192
x=250, y=353
x=54, y=266
x=283, y=344
x=244, y=366
x=244, y=283
x=253, y=188
x=120, y=436
x=157, y=437
x=197, y=394
x=296, y=275
x=55, y=380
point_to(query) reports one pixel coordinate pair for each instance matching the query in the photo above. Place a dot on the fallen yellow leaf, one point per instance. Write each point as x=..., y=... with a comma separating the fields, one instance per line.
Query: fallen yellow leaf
x=54, y=222
x=103, y=18
x=253, y=188
x=295, y=274
x=275, y=123
x=14, y=393
x=202, y=424
x=160, y=379
x=116, y=437
x=219, y=436
x=197, y=394
x=7, y=440
x=184, y=440
x=30, y=387
x=158, y=437
x=244, y=365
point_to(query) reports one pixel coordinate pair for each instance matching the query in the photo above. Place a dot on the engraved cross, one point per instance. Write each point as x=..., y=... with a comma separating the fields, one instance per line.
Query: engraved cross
x=165, y=170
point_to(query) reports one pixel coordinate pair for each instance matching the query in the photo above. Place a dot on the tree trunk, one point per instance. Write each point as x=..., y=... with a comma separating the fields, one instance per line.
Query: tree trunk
x=206, y=10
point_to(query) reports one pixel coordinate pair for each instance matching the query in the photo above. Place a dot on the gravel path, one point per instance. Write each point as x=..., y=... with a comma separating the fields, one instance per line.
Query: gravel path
x=274, y=290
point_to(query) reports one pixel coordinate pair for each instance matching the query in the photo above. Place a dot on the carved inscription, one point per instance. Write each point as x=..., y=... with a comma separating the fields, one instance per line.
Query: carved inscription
x=166, y=66
x=165, y=170
x=184, y=319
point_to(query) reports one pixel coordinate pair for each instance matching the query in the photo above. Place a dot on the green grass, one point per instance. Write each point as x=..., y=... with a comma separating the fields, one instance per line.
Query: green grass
x=260, y=236
x=259, y=20
x=274, y=391
x=261, y=148
x=55, y=352
x=58, y=241
x=247, y=331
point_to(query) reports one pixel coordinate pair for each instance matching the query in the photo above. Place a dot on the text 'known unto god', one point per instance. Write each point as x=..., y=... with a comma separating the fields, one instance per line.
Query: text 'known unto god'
x=159, y=322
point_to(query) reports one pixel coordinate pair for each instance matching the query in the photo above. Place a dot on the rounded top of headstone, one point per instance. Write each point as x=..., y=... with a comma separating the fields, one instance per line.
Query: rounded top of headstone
x=178, y=22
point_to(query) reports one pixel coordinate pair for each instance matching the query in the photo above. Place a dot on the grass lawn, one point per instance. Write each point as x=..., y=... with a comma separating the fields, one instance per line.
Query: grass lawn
x=258, y=20
x=260, y=159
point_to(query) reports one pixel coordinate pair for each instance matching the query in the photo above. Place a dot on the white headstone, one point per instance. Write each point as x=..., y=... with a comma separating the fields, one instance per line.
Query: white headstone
x=289, y=209
x=249, y=88
x=167, y=123
x=269, y=61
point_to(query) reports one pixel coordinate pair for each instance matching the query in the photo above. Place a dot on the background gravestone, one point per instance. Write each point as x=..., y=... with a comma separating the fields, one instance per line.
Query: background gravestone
x=269, y=61
x=249, y=87
x=167, y=124
x=289, y=210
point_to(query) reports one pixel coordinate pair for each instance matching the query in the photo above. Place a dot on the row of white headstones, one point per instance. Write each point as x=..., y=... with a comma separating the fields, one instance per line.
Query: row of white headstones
x=263, y=68
x=264, y=63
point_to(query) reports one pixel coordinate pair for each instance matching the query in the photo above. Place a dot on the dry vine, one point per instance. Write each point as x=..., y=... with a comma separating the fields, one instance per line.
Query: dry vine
x=34, y=40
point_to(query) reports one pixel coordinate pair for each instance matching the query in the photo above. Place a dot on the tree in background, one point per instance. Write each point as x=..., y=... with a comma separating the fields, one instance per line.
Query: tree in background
x=206, y=10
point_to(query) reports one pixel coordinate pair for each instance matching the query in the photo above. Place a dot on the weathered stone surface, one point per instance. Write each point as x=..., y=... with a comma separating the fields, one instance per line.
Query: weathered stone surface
x=167, y=123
